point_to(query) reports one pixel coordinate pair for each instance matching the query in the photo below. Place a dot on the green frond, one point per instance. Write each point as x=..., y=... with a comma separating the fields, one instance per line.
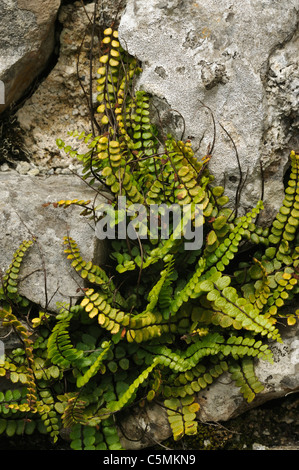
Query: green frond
x=285, y=225
x=244, y=377
x=182, y=416
x=83, y=379
x=104, y=437
x=10, y=278
x=156, y=292
x=59, y=348
x=129, y=394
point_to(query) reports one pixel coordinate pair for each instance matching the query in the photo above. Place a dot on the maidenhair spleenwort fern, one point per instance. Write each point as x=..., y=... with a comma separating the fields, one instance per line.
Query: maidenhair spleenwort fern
x=182, y=416
x=159, y=322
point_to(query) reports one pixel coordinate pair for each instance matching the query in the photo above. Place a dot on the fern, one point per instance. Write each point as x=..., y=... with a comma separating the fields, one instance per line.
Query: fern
x=48, y=414
x=244, y=377
x=127, y=396
x=18, y=427
x=60, y=348
x=94, y=274
x=83, y=380
x=74, y=412
x=182, y=416
x=10, y=279
x=154, y=296
x=10, y=319
x=91, y=438
x=158, y=322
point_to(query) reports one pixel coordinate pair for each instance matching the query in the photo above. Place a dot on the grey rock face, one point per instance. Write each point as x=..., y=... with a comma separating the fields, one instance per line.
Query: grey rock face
x=46, y=276
x=240, y=60
x=144, y=427
x=26, y=43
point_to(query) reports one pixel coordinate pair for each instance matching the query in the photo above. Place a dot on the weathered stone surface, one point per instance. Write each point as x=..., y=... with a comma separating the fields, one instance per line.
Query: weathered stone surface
x=144, y=427
x=237, y=58
x=26, y=43
x=46, y=276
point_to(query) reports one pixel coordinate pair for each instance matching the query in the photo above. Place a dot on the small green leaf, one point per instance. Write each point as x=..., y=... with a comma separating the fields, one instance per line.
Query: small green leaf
x=206, y=286
x=211, y=238
x=219, y=222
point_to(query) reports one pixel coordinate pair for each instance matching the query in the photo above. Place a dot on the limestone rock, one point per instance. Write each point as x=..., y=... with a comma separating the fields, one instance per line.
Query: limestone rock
x=46, y=276
x=26, y=43
x=144, y=427
x=237, y=60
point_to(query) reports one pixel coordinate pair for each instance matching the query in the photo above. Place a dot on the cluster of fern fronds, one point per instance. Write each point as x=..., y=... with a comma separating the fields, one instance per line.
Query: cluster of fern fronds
x=160, y=322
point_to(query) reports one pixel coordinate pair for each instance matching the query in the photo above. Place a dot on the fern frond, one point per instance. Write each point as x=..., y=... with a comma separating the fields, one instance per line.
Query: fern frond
x=74, y=412
x=212, y=344
x=102, y=437
x=195, y=379
x=129, y=394
x=110, y=318
x=14, y=427
x=83, y=379
x=59, y=348
x=244, y=377
x=226, y=297
x=285, y=282
x=91, y=272
x=10, y=319
x=284, y=226
x=10, y=279
x=87, y=270
x=155, y=292
x=110, y=434
x=48, y=413
x=149, y=325
x=182, y=416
